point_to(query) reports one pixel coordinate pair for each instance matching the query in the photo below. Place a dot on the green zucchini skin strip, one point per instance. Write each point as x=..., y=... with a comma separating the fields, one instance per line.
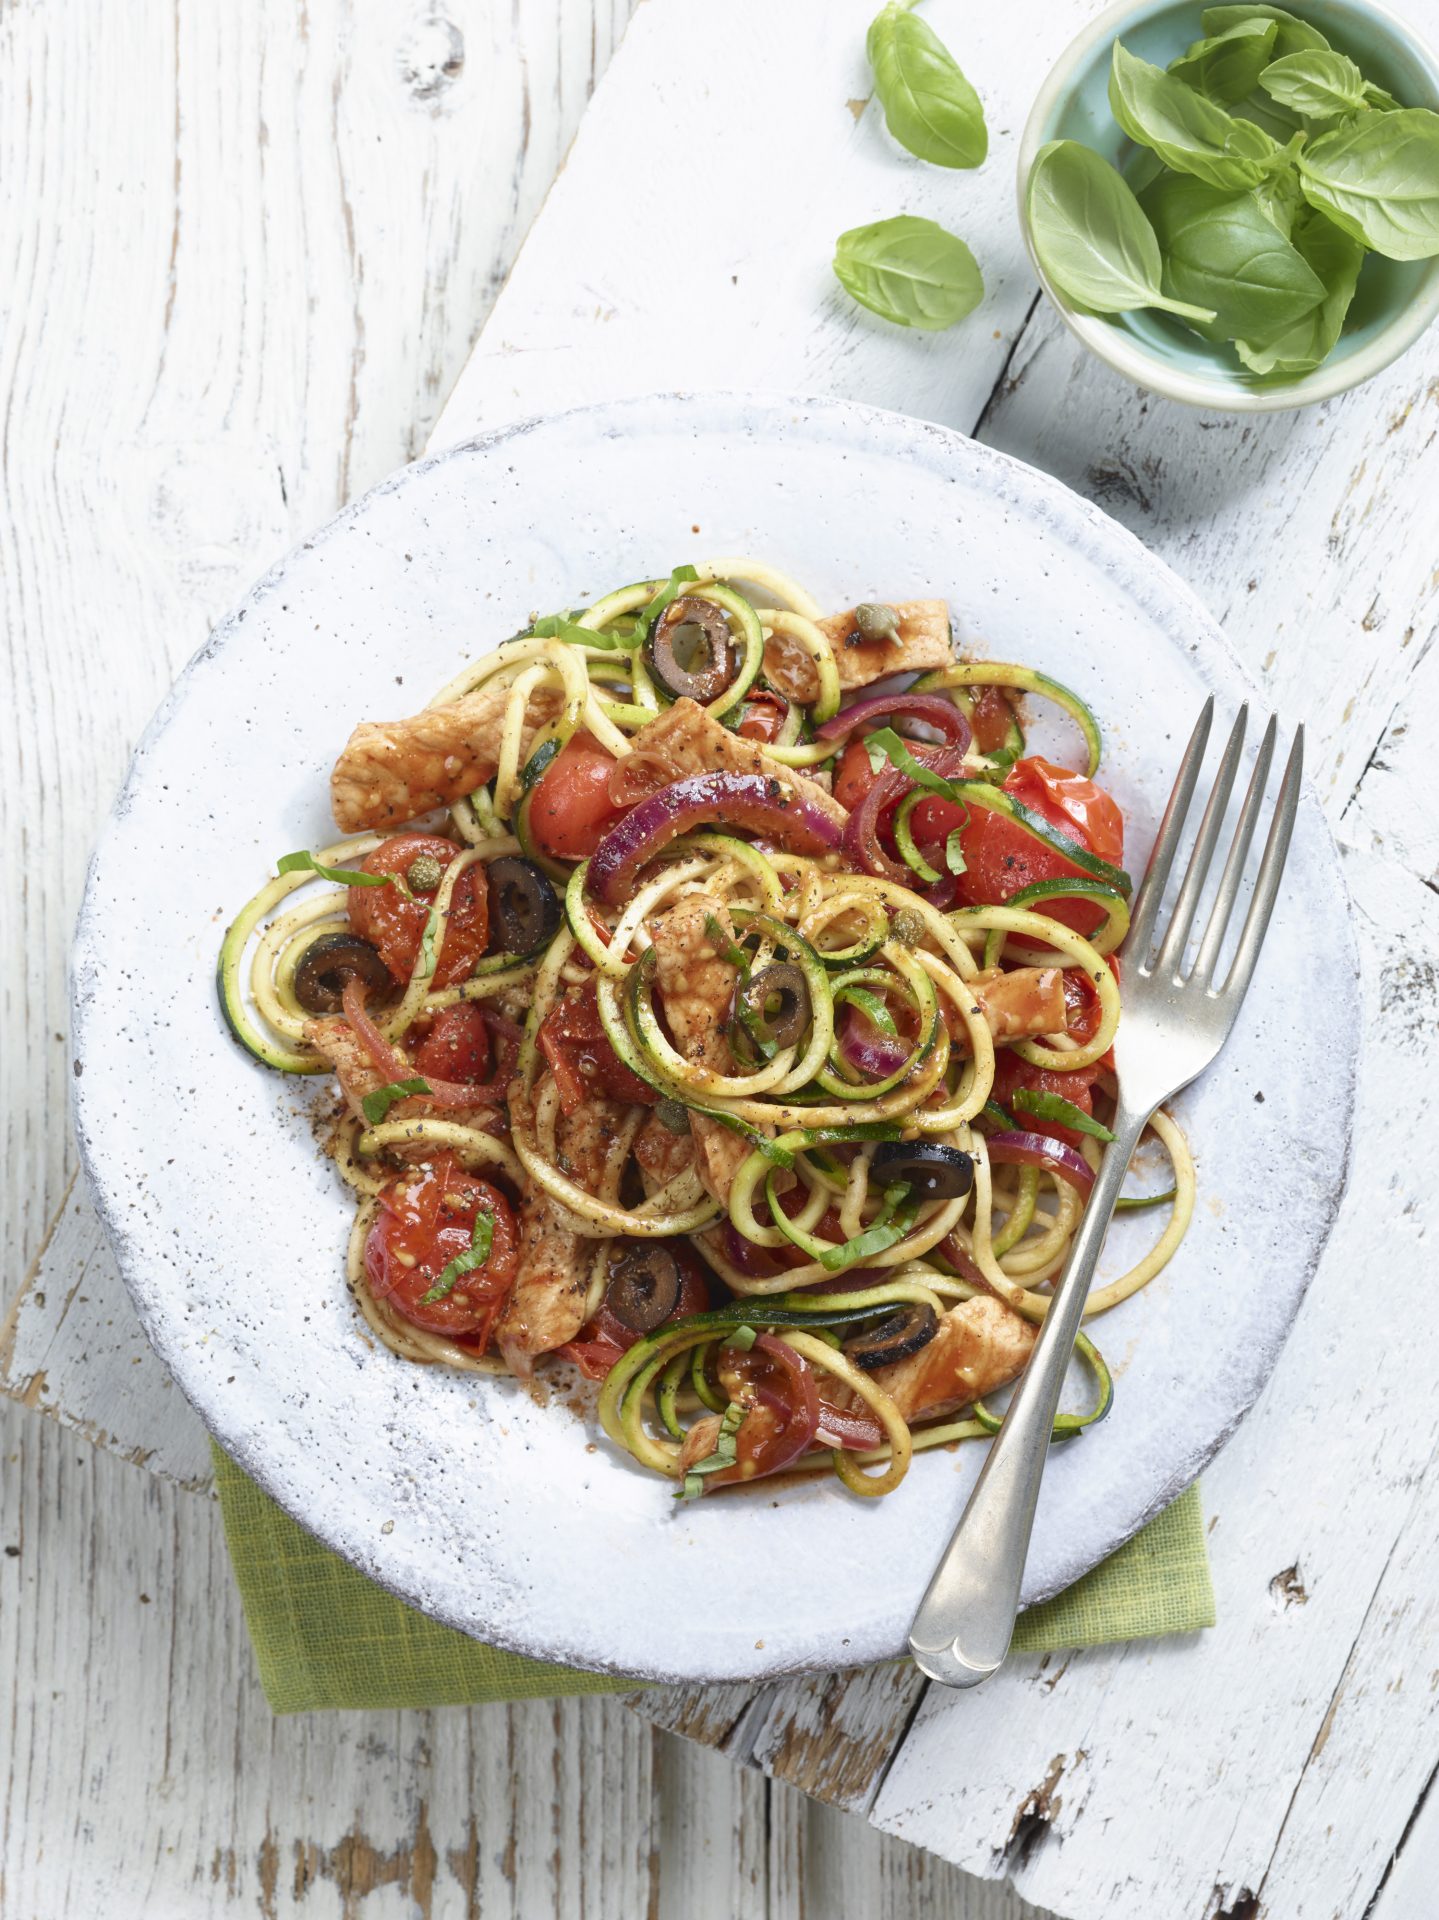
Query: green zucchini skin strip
x=1067, y=1425
x=1105, y=940
x=978, y=793
x=997, y=673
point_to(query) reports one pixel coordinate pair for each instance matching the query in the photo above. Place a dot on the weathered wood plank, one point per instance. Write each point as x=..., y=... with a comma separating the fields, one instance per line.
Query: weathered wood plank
x=587, y=313
x=245, y=253
x=1225, y=1730
x=71, y=1348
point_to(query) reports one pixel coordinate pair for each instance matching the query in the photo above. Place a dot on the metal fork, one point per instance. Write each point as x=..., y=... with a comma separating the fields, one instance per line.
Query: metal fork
x=1175, y=1022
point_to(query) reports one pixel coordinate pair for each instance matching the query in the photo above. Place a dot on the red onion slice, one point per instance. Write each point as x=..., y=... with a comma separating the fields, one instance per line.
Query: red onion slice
x=861, y=833
x=1039, y=1150
x=751, y=800
x=932, y=708
x=870, y=1053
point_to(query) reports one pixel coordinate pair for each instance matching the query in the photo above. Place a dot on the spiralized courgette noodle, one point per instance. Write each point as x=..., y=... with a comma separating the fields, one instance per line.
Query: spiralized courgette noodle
x=723, y=1002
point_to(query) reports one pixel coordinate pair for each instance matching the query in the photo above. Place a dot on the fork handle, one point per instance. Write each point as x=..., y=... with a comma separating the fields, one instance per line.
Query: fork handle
x=962, y=1630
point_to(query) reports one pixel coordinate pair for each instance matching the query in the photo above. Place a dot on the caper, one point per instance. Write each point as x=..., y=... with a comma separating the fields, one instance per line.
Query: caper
x=906, y=928
x=674, y=1115
x=424, y=874
x=876, y=622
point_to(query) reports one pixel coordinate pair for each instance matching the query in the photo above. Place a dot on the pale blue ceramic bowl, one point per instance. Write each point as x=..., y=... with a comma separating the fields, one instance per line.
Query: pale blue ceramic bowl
x=1394, y=301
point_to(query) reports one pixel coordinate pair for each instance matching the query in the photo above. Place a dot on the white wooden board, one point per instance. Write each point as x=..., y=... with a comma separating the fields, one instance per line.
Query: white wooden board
x=1278, y=1760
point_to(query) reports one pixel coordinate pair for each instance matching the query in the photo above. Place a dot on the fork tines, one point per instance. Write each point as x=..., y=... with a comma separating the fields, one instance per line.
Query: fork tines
x=1169, y=960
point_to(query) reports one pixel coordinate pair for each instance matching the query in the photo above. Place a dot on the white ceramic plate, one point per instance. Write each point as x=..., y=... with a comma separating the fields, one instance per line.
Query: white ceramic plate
x=463, y=1495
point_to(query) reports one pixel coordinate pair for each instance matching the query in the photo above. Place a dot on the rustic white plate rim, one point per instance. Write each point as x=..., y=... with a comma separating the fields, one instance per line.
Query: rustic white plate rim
x=491, y=1556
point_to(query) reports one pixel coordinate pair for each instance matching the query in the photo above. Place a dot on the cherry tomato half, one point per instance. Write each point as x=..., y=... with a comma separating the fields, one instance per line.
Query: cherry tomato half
x=394, y=920
x=570, y=809
x=427, y=1218
x=457, y=1047
x=573, y=1040
x=1001, y=856
x=1011, y=1073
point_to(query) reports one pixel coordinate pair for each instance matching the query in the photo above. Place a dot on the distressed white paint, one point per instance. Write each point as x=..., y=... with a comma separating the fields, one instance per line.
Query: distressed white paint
x=1332, y=508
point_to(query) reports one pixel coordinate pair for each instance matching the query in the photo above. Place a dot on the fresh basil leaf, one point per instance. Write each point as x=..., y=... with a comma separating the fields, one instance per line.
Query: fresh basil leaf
x=1336, y=258
x=1292, y=34
x=954, y=852
x=1091, y=236
x=1220, y=250
x=377, y=1104
x=1377, y=177
x=1188, y=132
x=725, y=1445
x=1278, y=122
x=347, y=876
x=1280, y=197
x=1226, y=66
x=1320, y=85
x=929, y=106
x=669, y=592
x=887, y=745
x=1064, y=1113
x=478, y=1252
x=559, y=626
x=910, y=271
x=887, y=1229
x=1378, y=100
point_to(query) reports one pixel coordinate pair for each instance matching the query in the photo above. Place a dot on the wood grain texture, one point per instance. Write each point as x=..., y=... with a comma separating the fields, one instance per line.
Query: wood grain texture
x=1299, y=533
x=274, y=237
x=145, y=1776
x=1272, y=1767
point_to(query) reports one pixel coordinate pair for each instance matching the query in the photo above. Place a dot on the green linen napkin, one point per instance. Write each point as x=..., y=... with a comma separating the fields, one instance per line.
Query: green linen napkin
x=326, y=1636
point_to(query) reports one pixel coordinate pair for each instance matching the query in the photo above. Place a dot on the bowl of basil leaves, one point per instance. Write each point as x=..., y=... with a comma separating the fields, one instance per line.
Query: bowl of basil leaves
x=1238, y=206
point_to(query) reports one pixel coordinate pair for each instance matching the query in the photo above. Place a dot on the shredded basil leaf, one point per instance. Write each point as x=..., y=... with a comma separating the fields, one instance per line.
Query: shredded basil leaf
x=670, y=591
x=377, y=1104
x=559, y=626
x=954, y=852
x=892, y=1224
x=347, y=876
x=481, y=1241
x=1053, y=1106
x=724, y=1454
x=887, y=745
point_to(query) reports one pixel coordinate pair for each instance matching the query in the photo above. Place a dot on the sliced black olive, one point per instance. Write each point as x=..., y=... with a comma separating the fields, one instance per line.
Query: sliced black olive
x=930, y=1171
x=692, y=651
x=775, y=1005
x=895, y=1337
x=328, y=966
x=524, y=907
x=644, y=1286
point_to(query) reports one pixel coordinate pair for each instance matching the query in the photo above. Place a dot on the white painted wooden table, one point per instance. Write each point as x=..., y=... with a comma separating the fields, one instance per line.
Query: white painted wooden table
x=246, y=253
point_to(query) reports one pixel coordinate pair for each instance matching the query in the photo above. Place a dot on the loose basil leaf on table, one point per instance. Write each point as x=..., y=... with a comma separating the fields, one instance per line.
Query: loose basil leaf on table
x=1377, y=177
x=1320, y=85
x=1299, y=348
x=929, y=106
x=1227, y=65
x=1189, y=133
x=1091, y=235
x=1221, y=250
x=910, y=271
x=1292, y=35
